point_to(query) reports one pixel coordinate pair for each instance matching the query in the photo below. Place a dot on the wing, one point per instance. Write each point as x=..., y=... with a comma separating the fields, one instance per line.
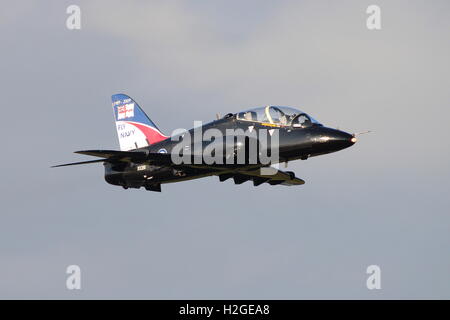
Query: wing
x=269, y=174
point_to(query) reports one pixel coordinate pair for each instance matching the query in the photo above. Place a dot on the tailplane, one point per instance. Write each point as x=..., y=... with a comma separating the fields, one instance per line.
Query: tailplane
x=134, y=128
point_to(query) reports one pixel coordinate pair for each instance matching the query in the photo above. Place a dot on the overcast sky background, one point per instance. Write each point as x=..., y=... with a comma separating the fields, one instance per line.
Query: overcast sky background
x=384, y=201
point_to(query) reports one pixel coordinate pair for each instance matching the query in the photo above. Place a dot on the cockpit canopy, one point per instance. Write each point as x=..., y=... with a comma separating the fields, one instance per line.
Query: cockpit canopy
x=278, y=115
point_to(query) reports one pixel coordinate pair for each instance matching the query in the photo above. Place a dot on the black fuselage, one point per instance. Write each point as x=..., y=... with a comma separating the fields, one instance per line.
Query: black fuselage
x=294, y=143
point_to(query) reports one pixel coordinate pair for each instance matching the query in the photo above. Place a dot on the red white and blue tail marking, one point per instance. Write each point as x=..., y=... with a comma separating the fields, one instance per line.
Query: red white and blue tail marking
x=134, y=128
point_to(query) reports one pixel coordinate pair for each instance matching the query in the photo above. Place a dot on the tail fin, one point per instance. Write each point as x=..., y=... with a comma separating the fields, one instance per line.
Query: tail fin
x=134, y=128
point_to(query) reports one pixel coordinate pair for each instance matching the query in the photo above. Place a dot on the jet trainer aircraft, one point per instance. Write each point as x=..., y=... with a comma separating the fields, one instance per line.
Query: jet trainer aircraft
x=148, y=158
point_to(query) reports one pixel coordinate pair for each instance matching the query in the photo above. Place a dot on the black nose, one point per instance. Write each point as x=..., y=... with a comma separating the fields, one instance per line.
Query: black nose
x=342, y=139
x=335, y=139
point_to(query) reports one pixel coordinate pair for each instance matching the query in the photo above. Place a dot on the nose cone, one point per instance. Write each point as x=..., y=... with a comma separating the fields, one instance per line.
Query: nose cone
x=334, y=140
x=343, y=139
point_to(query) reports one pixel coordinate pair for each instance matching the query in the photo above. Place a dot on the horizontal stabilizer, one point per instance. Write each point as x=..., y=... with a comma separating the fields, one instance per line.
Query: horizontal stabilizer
x=114, y=154
x=77, y=163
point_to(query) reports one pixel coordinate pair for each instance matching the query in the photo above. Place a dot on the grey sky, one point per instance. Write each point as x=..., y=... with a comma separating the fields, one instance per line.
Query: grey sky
x=384, y=201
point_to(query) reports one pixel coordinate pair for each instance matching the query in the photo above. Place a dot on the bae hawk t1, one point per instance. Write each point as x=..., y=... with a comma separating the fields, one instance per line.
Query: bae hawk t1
x=148, y=158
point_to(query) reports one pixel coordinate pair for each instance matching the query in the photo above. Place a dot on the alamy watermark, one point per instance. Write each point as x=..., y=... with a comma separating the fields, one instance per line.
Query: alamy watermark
x=374, y=280
x=226, y=147
x=73, y=21
x=373, y=21
x=73, y=281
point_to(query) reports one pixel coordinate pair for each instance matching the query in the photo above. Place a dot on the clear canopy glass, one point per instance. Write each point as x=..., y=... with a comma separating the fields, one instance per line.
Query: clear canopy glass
x=279, y=115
